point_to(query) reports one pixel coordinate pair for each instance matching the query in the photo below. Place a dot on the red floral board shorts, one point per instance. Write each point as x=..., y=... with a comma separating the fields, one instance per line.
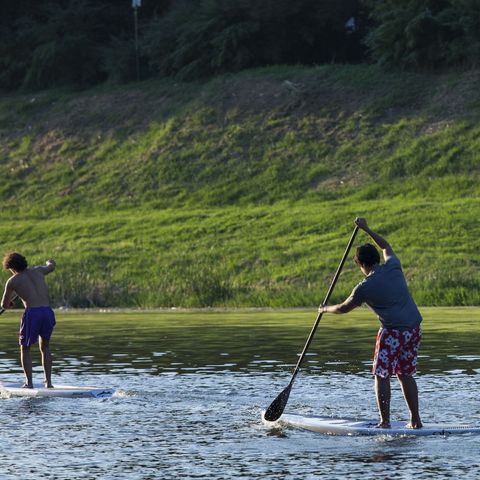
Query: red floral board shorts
x=396, y=352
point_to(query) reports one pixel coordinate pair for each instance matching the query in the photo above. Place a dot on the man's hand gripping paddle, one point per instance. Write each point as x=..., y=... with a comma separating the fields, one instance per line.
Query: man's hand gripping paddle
x=276, y=408
x=12, y=300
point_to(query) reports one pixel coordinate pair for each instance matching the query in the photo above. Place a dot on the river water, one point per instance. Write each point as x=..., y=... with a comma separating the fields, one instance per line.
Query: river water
x=192, y=385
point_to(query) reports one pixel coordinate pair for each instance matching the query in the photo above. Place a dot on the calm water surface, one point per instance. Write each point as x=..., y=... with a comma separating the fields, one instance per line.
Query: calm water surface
x=191, y=388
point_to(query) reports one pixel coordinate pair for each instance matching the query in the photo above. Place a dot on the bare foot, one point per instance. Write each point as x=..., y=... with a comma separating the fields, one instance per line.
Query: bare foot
x=383, y=425
x=48, y=385
x=414, y=425
x=27, y=385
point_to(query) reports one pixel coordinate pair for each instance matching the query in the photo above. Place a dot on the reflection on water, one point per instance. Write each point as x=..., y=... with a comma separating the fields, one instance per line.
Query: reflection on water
x=154, y=346
x=192, y=387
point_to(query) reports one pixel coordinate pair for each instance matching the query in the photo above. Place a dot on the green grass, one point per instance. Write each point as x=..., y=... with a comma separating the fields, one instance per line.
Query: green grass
x=270, y=255
x=242, y=191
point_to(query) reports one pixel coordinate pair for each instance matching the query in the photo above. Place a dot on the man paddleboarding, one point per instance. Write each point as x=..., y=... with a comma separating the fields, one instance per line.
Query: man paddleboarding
x=38, y=319
x=385, y=291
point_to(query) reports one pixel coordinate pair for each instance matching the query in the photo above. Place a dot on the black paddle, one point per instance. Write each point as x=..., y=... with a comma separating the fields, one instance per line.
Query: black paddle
x=276, y=408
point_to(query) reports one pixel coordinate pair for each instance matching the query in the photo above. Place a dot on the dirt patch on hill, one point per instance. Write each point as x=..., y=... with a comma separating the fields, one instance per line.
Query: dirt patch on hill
x=437, y=97
x=134, y=107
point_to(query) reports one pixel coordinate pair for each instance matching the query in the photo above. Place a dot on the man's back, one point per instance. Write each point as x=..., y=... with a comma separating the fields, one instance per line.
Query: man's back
x=31, y=287
x=386, y=292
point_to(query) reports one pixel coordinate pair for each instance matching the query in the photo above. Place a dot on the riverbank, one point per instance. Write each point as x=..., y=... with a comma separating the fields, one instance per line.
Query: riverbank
x=241, y=192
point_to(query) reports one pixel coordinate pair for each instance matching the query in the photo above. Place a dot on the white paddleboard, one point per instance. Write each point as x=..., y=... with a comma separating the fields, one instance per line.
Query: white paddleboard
x=349, y=426
x=66, y=391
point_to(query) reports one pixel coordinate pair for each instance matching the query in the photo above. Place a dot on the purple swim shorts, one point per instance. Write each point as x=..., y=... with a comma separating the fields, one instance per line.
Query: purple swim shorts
x=36, y=321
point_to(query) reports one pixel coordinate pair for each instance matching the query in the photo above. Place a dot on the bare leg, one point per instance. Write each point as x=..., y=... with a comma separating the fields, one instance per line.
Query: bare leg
x=26, y=359
x=46, y=361
x=410, y=392
x=382, y=393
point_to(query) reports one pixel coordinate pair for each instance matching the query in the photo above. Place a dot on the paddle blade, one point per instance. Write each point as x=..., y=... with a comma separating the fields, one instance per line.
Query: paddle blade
x=276, y=408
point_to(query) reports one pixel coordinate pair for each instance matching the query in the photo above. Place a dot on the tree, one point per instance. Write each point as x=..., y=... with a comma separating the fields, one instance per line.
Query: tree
x=198, y=38
x=49, y=43
x=425, y=33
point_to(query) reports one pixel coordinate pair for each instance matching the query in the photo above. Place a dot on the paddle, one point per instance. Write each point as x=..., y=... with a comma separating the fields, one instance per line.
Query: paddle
x=12, y=300
x=276, y=408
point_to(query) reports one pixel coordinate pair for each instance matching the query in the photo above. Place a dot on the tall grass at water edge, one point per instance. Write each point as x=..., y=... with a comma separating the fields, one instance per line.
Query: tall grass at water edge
x=276, y=256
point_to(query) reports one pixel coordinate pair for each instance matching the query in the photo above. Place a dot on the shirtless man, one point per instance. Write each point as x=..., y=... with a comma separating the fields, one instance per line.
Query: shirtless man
x=385, y=291
x=38, y=319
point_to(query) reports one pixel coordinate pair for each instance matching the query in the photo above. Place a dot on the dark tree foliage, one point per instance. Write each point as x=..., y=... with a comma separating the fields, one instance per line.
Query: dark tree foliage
x=45, y=43
x=425, y=34
x=48, y=43
x=198, y=38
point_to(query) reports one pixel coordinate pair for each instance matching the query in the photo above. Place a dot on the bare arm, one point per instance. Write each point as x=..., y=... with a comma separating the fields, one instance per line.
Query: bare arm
x=48, y=267
x=378, y=239
x=8, y=295
x=345, y=307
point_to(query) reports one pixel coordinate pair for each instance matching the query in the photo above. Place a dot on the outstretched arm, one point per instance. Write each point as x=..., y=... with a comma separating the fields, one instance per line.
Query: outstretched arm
x=378, y=239
x=345, y=307
x=48, y=267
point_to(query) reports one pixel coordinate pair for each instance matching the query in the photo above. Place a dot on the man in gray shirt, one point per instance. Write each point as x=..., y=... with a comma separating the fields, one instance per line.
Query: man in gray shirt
x=385, y=291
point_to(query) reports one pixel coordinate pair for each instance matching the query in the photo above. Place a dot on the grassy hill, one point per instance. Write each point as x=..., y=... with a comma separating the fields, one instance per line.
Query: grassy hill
x=242, y=191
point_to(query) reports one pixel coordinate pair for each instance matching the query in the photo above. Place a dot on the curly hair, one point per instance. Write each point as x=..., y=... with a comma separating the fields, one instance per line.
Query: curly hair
x=367, y=255
x=15, y=261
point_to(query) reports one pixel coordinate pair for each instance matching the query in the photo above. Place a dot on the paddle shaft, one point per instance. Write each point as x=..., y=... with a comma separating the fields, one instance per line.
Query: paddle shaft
x=276, y=408
x=12, y=300
x=327, y=298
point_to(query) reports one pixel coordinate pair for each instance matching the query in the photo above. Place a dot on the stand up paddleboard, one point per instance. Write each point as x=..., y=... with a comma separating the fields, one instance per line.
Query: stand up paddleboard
x=66, y=391
x=348, y=426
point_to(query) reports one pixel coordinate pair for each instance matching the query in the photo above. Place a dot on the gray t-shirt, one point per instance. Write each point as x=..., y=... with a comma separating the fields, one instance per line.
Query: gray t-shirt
x=386, y=292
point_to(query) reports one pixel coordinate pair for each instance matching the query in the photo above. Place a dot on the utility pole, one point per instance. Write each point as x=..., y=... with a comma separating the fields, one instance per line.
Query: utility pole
x=136, y=4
